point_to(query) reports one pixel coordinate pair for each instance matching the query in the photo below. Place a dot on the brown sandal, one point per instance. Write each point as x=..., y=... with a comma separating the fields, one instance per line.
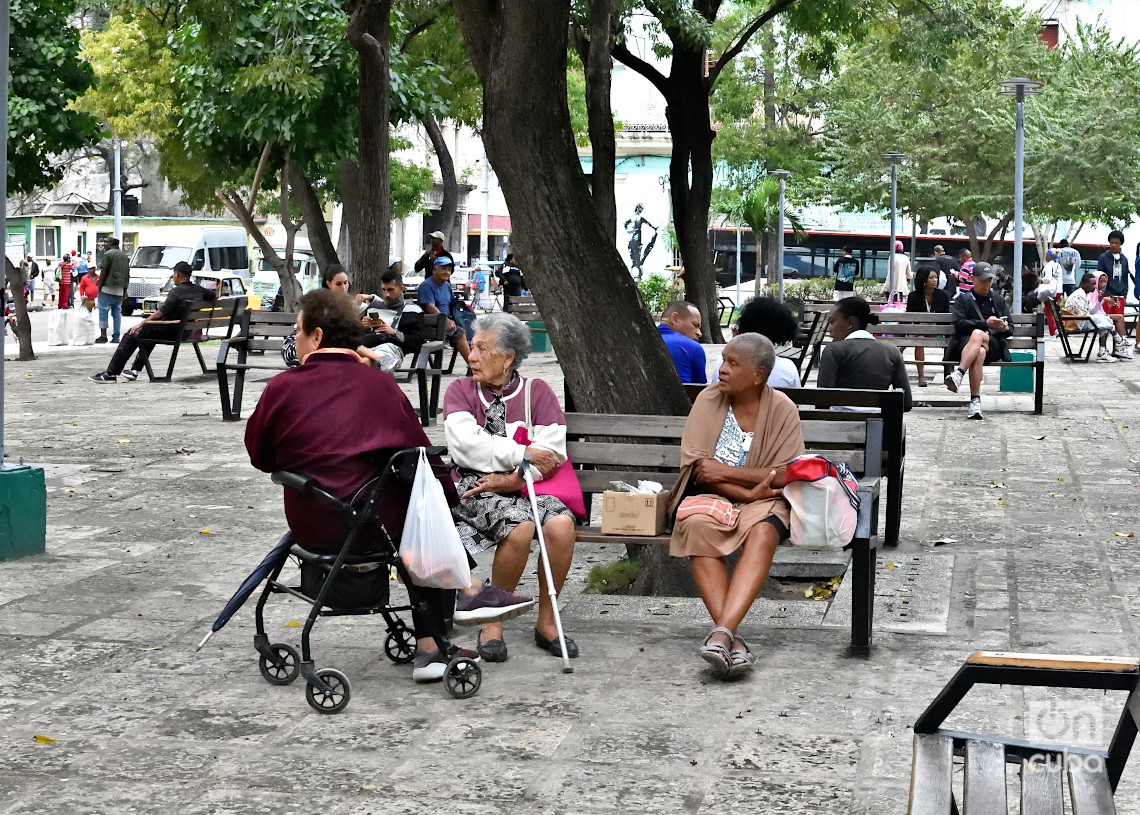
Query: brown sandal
x=716, y=654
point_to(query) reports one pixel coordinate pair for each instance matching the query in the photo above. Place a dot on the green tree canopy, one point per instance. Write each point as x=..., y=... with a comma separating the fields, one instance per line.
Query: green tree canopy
x=46, y=77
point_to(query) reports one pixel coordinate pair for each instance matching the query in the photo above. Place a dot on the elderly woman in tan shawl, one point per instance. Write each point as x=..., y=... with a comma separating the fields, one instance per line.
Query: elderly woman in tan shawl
x=738, y=438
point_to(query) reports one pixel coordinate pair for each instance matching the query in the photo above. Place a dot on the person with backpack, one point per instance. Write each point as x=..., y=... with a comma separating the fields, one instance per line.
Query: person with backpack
x=846, y=269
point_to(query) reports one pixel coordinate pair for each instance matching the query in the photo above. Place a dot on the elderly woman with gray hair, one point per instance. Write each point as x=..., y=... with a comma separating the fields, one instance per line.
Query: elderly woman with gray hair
x=491, y=420
x=739, y=435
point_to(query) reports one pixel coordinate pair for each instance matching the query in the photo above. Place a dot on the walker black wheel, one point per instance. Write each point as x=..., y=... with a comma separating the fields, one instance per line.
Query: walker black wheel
x=333, y=700
x=463, y=678
x=400, y=645
x=289, y=668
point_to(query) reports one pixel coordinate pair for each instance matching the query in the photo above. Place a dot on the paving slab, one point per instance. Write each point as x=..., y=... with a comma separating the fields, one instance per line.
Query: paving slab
x=155, y=516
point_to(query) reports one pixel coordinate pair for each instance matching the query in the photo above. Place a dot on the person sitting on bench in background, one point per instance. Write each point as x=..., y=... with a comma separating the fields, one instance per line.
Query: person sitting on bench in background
x=1080, y=304
x=857, y=360
x=981, y=326
x=738, y=437
x=435, y=297
x=403, y=328
x=680, y=328
x=142, y=337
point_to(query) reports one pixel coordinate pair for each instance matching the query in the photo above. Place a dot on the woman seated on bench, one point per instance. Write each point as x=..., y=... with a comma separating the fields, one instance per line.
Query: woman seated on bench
x=485, y=421
x=857, y=360
x=739, y=435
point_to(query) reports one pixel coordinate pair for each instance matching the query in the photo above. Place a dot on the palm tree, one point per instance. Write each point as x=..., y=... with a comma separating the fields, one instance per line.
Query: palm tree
x=759, y=207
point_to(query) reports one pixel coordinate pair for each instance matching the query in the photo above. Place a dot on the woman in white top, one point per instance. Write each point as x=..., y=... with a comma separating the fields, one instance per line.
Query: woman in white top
x=774, y=320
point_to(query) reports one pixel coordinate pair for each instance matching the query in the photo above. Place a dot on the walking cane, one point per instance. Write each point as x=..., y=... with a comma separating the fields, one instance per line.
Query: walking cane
x=524, y=471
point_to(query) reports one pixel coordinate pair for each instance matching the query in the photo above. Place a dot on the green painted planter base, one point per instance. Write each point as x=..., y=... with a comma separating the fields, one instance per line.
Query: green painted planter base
x=539, y=339
x=1018, y=380
x=23, y=512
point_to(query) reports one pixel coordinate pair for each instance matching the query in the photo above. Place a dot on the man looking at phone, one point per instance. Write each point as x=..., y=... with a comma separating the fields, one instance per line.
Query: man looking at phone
x=391, y=320
x=981, y=327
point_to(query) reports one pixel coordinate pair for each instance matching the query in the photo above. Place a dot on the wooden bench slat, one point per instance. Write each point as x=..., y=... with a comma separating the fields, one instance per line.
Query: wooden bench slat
x=931, y=792
x=984, y=786
x=598, y=481
x=609, y=424
x=1041, y=788
x=1063, y=662
x=629, y=455
x=1089, y=790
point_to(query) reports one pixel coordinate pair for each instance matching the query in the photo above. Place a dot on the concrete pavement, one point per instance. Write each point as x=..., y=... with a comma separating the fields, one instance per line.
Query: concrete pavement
x=155, y=516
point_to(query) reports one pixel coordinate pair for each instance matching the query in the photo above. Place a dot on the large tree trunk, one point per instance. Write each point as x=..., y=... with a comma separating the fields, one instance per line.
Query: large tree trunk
x=691, y=182
x=518, y=50
x=610, y=352
x=20, y=305
x=599, y=68
x=324, y=251
x=450, y=204
x=368, y=31
x=290, y=288
x=348, y=179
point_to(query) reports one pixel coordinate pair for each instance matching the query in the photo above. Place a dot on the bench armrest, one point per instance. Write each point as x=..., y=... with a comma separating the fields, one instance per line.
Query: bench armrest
x=868, y=493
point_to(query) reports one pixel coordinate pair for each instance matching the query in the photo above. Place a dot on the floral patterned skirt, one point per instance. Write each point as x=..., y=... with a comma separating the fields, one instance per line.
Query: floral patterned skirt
x=484, y=520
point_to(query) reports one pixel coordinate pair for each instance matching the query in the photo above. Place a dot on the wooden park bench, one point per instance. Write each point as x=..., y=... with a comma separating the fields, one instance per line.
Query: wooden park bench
x=806, y=346
x=524, y=307
x=1091, y=775
x=1069, y=328
x=649, y=449
x=257, y=347
x=204, y=321
x=914, y=329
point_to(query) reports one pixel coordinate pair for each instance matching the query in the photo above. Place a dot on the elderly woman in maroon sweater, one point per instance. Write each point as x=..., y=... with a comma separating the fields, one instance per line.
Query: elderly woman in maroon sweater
x=488, y=434
x=339, y=421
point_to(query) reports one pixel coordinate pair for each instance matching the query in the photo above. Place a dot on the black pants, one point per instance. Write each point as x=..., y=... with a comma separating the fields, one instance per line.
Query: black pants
x=142, y=341
x=440, y=608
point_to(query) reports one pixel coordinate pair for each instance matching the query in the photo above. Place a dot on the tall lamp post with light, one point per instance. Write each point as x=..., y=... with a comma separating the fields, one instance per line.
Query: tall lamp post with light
x=783, y=176
x=1019, y=87
x=893, y=157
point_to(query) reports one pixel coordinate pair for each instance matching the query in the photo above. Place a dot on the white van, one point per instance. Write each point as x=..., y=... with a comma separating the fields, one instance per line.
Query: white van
x=264, y=280
x=205, y=248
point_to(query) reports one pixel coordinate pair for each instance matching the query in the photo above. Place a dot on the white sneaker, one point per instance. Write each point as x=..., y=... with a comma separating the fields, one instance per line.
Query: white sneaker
x=975, y=411
x=1122, y=353
x=954, y=380
x=1103, y=356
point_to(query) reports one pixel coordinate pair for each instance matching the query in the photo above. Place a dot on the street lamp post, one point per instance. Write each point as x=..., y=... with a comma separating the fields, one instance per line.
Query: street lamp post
x=783, y=176
x=1018, y=87
x=894, y=157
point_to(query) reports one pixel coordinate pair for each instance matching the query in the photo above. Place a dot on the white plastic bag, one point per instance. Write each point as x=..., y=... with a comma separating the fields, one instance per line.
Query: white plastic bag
x=59, y=327
x=430, y=546
x=825, y=511
x=86, y=329
x=390, y=356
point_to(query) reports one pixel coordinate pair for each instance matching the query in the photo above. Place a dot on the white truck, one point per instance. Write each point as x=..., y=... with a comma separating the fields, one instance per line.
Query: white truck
x=265, y=282
x=205, y=248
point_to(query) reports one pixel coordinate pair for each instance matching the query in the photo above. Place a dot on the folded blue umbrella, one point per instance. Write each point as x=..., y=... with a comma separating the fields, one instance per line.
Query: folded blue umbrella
x=276, y=555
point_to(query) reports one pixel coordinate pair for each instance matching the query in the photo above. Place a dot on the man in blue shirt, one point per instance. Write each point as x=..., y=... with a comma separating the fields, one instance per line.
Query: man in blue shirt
x=680, y=328
x=434, y=297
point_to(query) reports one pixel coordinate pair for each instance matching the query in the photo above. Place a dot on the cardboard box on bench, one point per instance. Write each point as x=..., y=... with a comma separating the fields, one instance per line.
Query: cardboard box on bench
x=631, y=513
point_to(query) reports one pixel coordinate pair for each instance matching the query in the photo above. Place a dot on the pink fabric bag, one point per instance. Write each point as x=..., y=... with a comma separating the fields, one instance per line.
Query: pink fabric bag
x=563, y=484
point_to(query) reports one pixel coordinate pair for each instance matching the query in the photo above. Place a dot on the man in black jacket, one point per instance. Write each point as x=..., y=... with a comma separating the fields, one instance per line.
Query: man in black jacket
x=948, y=268
x=981, y=326
x=142, y=337
x=405, y=327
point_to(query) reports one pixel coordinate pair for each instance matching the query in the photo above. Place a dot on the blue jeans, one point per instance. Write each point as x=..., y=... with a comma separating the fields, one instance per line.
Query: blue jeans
x=113, y=304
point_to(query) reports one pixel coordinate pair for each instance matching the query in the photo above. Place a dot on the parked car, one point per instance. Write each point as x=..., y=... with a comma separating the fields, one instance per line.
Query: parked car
x=227, y=285
x=206, y=249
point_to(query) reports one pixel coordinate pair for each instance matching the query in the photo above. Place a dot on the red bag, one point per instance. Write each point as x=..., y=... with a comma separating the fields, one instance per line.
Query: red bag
x=563, y=484
x=824, y=502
